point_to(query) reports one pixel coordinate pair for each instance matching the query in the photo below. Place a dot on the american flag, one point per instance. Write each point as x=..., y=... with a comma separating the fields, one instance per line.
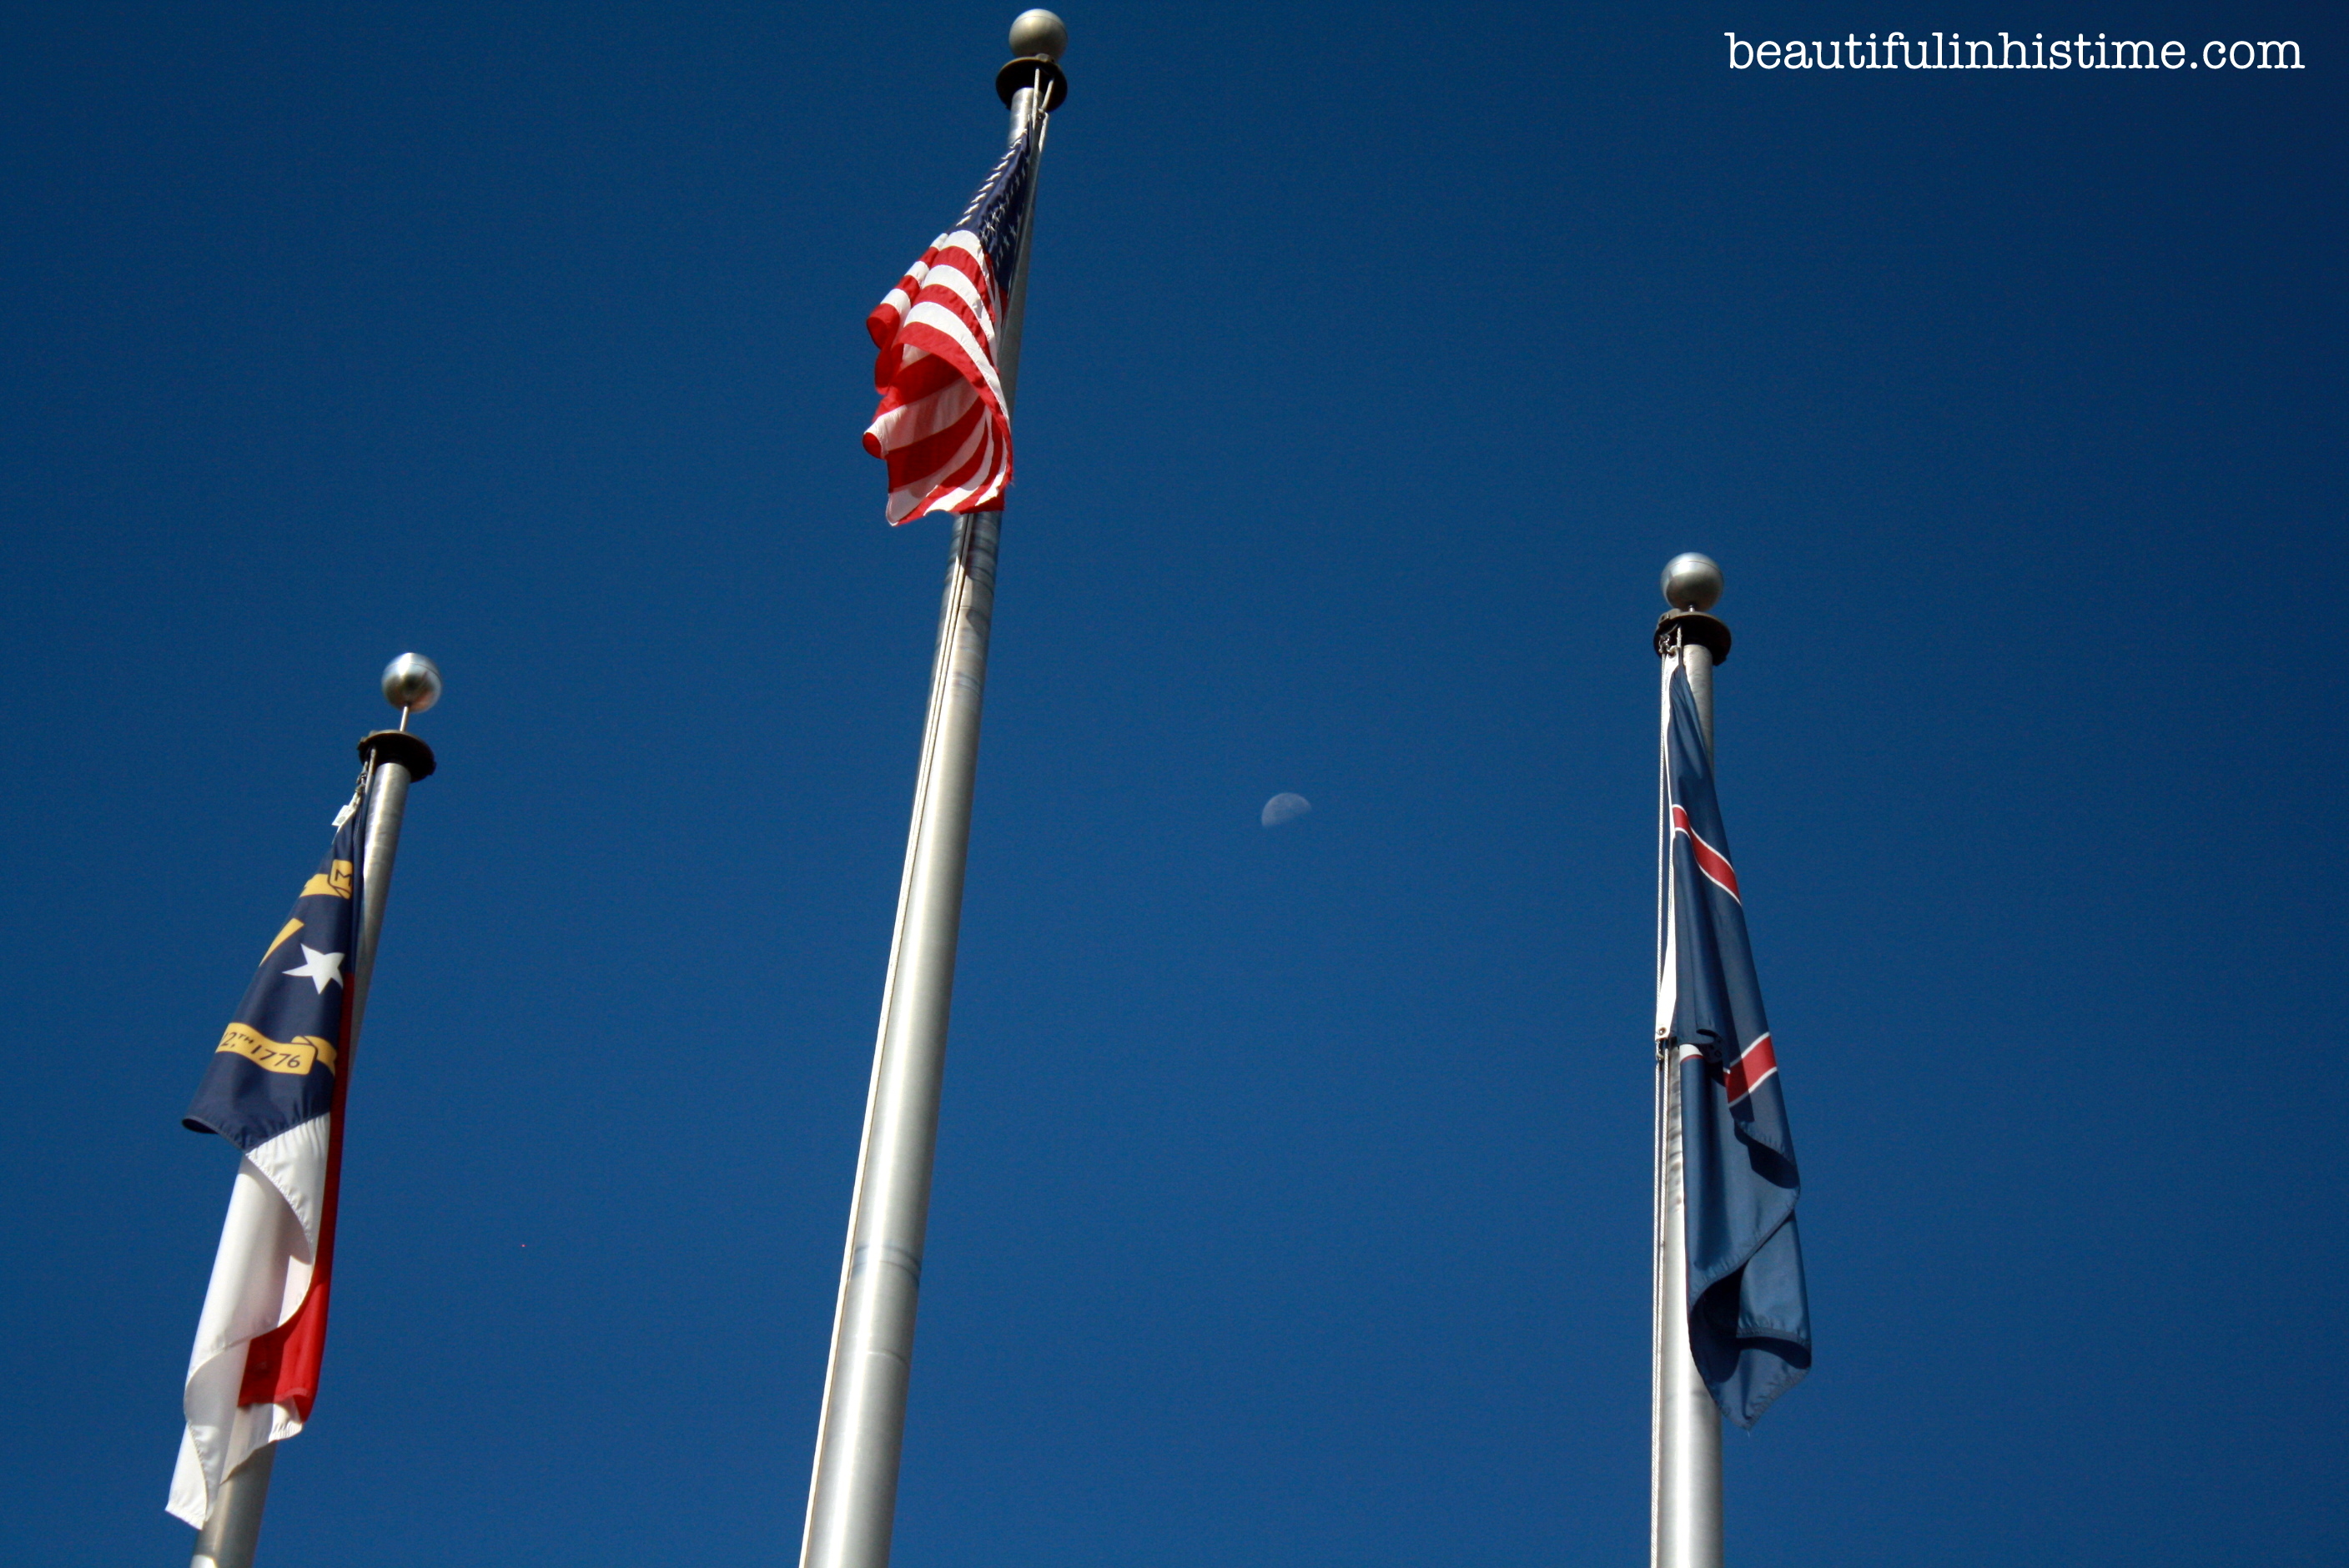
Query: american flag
x=942, y=425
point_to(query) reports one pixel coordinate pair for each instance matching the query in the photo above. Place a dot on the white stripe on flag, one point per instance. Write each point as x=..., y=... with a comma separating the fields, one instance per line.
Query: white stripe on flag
x=260, y=1276
x=952, y=327
x=924, y=417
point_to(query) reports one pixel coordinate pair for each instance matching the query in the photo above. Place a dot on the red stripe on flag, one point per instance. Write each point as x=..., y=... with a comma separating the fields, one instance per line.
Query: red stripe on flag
x=281, y=1366
x=1710, y=861
x=1747, y=1072
x=926, y=455
x=915, y=376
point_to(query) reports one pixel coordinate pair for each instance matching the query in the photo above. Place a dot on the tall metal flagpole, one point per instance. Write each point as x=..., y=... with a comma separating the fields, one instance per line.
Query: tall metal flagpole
x=853, y=1494
x=1684, y=1425
x=411, y=683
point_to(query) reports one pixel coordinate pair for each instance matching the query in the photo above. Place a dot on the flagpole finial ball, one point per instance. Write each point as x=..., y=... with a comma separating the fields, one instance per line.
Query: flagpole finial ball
x=1035, y=33
x=1692, y=581
x=411, y=683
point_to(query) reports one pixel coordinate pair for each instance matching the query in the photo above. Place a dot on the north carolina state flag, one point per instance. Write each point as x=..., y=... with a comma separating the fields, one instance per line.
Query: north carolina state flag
x=276, y=1089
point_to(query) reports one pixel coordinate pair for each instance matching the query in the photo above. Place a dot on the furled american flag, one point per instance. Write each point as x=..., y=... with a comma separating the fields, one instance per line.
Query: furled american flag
x=944, y=427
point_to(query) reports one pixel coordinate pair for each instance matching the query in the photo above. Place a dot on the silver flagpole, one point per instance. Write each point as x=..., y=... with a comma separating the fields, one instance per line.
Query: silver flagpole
x=411, y=683
x=1684, y=1425
x=852, y=1494
x=227, y=1538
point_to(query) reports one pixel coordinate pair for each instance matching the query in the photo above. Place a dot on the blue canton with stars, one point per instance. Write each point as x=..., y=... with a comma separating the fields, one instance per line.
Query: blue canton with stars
x=277, y=1062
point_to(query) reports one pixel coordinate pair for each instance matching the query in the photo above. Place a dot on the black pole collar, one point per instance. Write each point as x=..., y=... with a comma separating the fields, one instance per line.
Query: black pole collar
x=1023, y=72
x=1682, y=627
x=397, y=746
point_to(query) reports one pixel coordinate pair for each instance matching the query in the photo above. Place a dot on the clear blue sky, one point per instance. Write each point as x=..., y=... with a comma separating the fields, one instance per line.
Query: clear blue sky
x=1292, y=1204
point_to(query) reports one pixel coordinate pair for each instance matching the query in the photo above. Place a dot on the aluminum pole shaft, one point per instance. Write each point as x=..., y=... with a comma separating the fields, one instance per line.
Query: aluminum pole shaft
x=229, y=1534
x=227, y=1538
x=1685, y=1453
x=853, y=1494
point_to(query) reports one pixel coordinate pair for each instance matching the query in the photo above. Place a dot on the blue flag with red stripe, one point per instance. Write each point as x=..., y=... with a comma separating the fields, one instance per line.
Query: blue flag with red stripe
x=1749, y=1316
